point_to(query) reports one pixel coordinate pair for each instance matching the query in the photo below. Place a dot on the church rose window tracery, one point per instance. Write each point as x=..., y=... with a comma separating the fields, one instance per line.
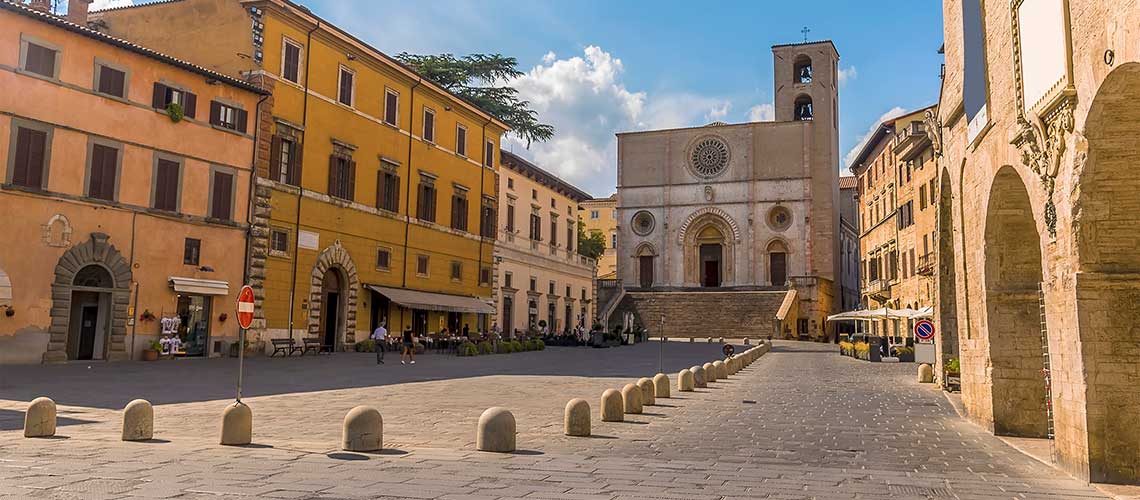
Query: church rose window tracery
x=643, y=223
x=709, y=157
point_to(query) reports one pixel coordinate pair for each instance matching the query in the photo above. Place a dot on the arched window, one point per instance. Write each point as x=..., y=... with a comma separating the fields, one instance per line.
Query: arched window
x=802, y=72
x=777, y=263
x=803, y=108
x=94, y=276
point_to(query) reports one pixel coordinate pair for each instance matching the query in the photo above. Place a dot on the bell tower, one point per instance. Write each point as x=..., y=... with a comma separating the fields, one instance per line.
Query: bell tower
x=807, y=82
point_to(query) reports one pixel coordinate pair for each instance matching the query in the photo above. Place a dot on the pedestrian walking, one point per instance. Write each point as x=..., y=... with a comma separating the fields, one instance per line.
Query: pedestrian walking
x=380, y=337
x=409, y=345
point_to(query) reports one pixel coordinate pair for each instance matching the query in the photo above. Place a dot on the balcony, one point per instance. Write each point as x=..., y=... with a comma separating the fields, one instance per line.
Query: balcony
x=879, y=289
x=926, y=264
x=911, y=141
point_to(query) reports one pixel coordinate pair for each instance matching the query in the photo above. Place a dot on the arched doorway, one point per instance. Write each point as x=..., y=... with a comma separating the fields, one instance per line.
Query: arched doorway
x=1106, y=222
x=89, y=303
x=777, y=263
x=711, y=251
x=334, y=259
x=646, y=259
x=1013, y=314
x=332, y=308
x=947, y=304
x=90, y=313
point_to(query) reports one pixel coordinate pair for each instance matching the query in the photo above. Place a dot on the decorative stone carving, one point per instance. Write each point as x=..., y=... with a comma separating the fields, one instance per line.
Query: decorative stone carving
x=57, y=231
x=735, y=229
x=709, y=156
x=643, y=223
x=710, y=194
x=933, y=130
x=1042, y=140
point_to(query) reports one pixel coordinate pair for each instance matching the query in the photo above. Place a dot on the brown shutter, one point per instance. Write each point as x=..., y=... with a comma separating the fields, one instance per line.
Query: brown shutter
x=189, y=104
x=297, y=163
x=351, y=181
x=395, y=193
x=380, y=189
x=95, y=183
x=110, y=155
x=22, y=169
x=241, y=116
x=158, y=99
x=223, y=187
x=215, y=113
x=332, y=176
x=275, y=158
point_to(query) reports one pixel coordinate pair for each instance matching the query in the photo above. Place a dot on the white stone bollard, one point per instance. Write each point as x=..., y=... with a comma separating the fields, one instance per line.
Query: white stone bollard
x=699, y=377
x=138, y=421
x=925, y=373
x=685, y=380
x=237, y=425
x=363, y=430
x=661, y=386
x=710, y=372
x=721, y=369
x=648, y=396
x=613, y=409
x=631, y=397
x=576, y=421
x=39, y=419
x=495, y=431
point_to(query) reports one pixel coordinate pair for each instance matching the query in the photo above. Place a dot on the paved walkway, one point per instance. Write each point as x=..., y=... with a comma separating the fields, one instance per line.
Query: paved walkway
x=802, y=422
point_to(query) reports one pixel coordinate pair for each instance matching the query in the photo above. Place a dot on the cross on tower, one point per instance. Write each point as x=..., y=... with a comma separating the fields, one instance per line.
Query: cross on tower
x=805, y=31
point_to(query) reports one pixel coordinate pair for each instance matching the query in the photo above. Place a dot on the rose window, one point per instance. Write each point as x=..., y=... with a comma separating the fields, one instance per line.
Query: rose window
x=643, y=223
x=709, y=157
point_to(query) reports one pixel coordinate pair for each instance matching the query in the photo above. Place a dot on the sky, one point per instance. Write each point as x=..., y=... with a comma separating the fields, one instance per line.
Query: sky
x=594, y=68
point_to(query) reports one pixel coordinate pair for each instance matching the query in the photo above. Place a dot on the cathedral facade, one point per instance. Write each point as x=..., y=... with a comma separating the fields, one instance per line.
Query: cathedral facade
x=744, y=207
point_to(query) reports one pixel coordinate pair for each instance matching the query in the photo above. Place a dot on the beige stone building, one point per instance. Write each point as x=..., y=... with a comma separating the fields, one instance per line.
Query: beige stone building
x=739, y=210
x=541, y=281
x=849, y=255
x=1039, y=272
x=599, y=215
x=895, y=172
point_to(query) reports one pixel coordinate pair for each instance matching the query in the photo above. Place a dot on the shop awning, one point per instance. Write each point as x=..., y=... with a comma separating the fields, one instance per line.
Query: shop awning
x=882, y=313
x=786, y=305
x=413, y=299
x=199, y=286
x=5, y=289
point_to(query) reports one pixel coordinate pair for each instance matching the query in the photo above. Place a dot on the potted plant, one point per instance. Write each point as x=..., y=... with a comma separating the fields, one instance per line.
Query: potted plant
x=152, y=350
x=905, y=354
x=953, y=369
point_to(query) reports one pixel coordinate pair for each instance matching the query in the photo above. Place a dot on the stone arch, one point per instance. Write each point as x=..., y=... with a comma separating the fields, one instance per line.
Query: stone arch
x=702, y=221
x=644, y=249
x=803, y=110
x=1013, y=275
x=336, y=257
x=1105, y=224
x=773, y=266
x=947, y=303
x=57, y=231
x=95, y=251
x=801, y=69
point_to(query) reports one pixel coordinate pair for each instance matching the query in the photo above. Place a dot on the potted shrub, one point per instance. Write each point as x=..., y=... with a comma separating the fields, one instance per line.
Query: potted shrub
x=905, y=354
x=467, y=349
x=152, y=350
x=953, y=369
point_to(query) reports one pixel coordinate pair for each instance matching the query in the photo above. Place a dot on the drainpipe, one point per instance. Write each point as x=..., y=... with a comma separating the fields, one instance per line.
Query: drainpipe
x=482, y=175
x=408, y=184
x=134, y=318
x=300, y=186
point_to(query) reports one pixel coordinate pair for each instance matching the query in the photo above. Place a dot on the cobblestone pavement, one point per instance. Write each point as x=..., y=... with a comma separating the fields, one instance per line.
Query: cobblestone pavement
x=801, y=422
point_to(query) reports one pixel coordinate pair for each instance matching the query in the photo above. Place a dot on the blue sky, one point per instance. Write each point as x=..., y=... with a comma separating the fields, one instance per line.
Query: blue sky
x=597, y=67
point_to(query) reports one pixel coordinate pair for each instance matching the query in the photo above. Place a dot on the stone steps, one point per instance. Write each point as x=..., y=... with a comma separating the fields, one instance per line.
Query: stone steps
x=704, y=314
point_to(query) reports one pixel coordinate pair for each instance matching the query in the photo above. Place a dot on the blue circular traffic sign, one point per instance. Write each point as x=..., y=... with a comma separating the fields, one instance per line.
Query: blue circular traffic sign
x=924, y=329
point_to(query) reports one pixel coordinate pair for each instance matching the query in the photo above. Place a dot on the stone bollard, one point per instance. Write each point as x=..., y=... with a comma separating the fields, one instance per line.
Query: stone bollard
x=39, y=420
x=720, y=340
x=631, y=396
x=747, y=342
x=925, y=373
x=138, y=421
x=661, y=386
x=685, y=381
x=710, y=340
x=495, y=431
x=613, y=409
x=363, y=430
x=721, y=369
x=237, y=425
x=648, y=396
x=576, y=421
x=710, y=372
x=699, y=377
x=691, y=340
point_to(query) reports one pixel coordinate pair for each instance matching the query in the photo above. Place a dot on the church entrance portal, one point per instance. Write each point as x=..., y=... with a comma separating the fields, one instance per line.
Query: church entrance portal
x=710, y=265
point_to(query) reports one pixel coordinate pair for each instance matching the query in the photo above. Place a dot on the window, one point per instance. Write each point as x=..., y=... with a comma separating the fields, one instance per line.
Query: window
x=594, y=214
x=346, y=86
x=485, y=276
x=191, y=251
x=40, y=60
x=613, y=240
x=510, y=219
x=167, y=174
x=278, y=241
x=383, y=259
x=507, y=279
x=342, y=177
x=553, y=231
x=456, y=270
x=459, y=210
x=421, y=265
x=429, y=125
x=534, y=194
x=221, y=194
x=291, y=61
x=803, y=69
x=912, y=262
x=285, y=160
x=894, y=264
x=803, y=108
x=227, y=116
x=922, y=197
x=391, y=107
x=103, y=170
x=461, y=140
x=489, y=154
x=553, y=203
x=567, y=291
x=164, y=95
x=535, y=227
x=28, y=160
x=533, y=284
x=510, y=183
x=569, y=235
x=583, y=294
x=425, y=202
x=551, y=289
x=110, y=81
x=487, y=219
x=388, y=188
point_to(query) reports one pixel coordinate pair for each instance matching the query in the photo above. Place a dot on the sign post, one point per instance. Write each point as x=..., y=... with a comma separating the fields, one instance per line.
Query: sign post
x=245, y=319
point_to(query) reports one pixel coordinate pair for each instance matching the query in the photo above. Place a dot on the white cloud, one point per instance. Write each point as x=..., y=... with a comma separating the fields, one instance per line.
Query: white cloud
x=762, y=113
x=847, y=74
x=586, y=100
x=109, y=4
x=854, y=152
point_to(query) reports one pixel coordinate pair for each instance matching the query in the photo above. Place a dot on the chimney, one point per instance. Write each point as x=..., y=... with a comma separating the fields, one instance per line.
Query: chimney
x=40, y=5
x=77, y=11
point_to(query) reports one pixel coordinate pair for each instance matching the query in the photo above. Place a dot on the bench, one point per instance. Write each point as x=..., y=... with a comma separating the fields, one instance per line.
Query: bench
x=314, y=344
x=285, y=346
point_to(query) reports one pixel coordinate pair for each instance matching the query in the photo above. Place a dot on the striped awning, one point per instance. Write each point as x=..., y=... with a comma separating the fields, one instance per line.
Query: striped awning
x=428, y=301
x=5, y=289
x=786, y=305
x=197, y=286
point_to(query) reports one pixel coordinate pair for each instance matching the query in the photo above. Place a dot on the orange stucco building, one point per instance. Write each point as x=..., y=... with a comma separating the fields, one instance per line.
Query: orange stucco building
x=125, y=184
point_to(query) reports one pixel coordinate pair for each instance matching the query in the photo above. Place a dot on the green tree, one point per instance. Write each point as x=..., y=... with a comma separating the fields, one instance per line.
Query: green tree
x=482, y=80
x=592, y=244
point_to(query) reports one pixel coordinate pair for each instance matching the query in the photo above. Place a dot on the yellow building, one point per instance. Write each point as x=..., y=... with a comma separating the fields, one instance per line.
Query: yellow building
x=599, y=216
x=375, y=195
x=542, y=281
x=896, y=175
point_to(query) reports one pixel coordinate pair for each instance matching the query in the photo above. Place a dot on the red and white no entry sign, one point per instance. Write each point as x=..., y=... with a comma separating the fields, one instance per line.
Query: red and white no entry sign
x=245, y=307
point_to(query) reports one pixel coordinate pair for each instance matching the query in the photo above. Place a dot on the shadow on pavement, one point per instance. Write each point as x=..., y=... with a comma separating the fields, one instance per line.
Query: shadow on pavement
x=11, y=420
